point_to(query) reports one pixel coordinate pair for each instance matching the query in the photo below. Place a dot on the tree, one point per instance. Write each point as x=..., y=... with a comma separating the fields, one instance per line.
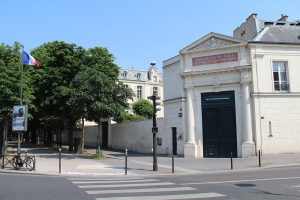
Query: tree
x=143, y=108
x=99, y=93
x=10, y=84
x=128, y=117
x=60, y=63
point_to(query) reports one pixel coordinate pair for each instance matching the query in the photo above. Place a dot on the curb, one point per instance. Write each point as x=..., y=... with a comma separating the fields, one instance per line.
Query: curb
x=70, y=174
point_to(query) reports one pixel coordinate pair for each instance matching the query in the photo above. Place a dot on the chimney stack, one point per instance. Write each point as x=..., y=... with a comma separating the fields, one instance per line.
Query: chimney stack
x=284, y=18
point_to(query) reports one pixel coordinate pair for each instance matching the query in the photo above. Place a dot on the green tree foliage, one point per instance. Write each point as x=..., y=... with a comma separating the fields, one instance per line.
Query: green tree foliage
x=97, y=88
x=72, y=83
x=99, y=94
x=10, y=68
x=129, y=117
x=60, y=63
x=143, y=107
x=75, y=83
x=10, y=83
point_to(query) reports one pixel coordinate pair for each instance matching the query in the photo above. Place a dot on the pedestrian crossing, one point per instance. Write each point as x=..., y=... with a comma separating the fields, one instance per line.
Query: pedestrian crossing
x=138, y=188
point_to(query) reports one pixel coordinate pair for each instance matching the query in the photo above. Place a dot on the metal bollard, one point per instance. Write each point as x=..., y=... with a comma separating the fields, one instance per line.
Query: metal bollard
x=25, y=153
x=34, y=163
x=3, y=162
x=126, y=161
x=259, y=158
x=59, y=162
x=231, y=161
x=173, y=164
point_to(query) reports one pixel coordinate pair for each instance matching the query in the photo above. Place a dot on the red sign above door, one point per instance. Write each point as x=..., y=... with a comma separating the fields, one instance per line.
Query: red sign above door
x=215, y=59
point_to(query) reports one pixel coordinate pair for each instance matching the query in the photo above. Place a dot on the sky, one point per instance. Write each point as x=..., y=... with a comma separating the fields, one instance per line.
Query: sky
x=136, y=32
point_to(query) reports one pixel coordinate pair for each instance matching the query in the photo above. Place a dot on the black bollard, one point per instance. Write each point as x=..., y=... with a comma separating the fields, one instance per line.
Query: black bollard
x=34, y=163
x=59, y=162
x=173, y=164
x=231, y=162
x=259, y=158
x=125, y=161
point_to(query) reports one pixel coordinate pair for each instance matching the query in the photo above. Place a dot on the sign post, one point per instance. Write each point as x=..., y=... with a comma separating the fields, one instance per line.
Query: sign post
x=19, y=122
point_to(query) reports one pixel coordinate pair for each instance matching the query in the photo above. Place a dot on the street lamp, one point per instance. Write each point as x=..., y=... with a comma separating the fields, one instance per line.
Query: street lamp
x=154, y=129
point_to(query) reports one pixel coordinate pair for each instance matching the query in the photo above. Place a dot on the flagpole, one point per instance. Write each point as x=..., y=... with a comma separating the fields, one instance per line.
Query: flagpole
x=21, y=89
x=21, y=100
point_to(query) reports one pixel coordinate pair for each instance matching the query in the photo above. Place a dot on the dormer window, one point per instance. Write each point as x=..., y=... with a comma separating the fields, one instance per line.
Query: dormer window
x=124, y=75
x=138, y=76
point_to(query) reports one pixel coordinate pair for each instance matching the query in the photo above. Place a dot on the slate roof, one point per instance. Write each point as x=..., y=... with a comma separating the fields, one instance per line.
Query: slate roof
x=279, y=34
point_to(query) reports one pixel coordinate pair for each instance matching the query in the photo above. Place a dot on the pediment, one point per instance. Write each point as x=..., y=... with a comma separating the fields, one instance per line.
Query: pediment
x=212, y=41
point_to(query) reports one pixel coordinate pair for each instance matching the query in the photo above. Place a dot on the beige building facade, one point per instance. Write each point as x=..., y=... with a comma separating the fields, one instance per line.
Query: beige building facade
x=235, y=95
x=143, y=83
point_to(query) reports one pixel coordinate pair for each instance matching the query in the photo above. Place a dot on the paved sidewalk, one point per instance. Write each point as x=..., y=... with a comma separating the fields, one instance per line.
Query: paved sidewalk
x=47, y=162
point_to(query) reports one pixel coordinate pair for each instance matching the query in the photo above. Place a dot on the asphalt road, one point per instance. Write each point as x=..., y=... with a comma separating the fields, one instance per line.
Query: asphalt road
x=275, y=183
x=37, y=187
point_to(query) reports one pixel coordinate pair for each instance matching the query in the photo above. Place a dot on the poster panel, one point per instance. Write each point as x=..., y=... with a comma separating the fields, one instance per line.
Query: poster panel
x=19, y=122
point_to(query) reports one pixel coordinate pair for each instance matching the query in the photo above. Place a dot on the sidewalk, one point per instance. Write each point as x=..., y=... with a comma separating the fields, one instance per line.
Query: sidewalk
x=47, y=162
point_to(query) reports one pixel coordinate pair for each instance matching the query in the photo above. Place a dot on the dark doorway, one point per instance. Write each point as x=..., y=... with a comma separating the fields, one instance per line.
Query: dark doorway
x=104, y=134
x=174, y=140
x=219, y=124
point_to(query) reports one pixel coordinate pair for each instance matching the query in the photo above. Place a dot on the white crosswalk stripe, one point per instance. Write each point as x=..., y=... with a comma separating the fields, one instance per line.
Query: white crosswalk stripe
x=118, y=191
x=104, y=179
x=125, y=185
x=122, y=188
x=296, y=186
x=102, y=182
x=167, y=197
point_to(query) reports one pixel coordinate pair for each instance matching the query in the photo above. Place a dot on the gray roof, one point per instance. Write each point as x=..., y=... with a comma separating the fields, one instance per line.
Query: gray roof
x=279, y=34
x=137, y=75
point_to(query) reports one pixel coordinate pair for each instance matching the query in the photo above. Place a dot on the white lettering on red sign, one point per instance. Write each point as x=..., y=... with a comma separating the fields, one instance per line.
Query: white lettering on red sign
x=214, y=59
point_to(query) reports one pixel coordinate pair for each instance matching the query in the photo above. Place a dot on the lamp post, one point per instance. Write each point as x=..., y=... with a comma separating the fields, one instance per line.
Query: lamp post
x=154, y=129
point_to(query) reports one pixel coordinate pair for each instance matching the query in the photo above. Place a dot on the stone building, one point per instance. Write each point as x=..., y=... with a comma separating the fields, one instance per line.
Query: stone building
x=237, y=94
x=143, y=83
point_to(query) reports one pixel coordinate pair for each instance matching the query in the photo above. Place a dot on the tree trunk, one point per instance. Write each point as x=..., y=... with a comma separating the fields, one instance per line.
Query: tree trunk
x=70, y=136
x=33, y=135
x=38, y=133
x=4, y=137
x=82, y=137
x=1, y=136
x=49, y=138
x=98, y=150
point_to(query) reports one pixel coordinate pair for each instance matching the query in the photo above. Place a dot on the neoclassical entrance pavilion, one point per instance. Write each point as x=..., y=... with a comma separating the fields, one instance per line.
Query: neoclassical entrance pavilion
x=236, y=94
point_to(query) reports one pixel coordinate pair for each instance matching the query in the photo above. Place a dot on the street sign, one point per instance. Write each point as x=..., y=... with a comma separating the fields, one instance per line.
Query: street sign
x=19, y=122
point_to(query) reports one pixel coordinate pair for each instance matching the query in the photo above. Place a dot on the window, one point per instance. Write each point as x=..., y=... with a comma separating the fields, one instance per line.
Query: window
x=124, y=74
x=280, y=76
x=139, y=92
x=155, y=78
x=138, y=76
x=125, y=85
x=155, y=91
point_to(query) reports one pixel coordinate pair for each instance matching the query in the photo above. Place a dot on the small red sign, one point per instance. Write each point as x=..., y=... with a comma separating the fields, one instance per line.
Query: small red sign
x=214, y=59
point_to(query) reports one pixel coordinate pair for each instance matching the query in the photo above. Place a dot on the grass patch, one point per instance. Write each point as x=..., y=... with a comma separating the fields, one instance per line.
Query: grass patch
x=88, y=155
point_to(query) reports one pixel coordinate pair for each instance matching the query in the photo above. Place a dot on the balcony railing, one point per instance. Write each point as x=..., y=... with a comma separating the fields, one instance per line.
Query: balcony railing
x=281, y=86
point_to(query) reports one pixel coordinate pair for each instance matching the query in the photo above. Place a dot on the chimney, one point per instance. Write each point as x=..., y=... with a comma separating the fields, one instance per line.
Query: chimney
x=284, y=18
x=253, y=16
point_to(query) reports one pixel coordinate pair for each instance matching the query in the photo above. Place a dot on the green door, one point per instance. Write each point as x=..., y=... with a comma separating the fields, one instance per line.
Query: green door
x=219, y=124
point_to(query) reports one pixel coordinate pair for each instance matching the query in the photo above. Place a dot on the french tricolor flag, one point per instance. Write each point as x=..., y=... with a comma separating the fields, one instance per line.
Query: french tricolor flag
x=27, y=59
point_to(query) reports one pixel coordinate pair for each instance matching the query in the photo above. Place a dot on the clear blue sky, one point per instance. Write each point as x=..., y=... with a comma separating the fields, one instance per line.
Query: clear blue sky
x=135, y=31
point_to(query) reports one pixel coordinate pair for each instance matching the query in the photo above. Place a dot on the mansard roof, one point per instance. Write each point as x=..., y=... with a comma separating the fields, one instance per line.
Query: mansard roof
x=279, y=34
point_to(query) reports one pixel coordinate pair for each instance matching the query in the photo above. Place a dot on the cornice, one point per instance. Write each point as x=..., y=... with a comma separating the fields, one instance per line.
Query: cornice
x=174, y=100
x=216, y=71
x=276, y=94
